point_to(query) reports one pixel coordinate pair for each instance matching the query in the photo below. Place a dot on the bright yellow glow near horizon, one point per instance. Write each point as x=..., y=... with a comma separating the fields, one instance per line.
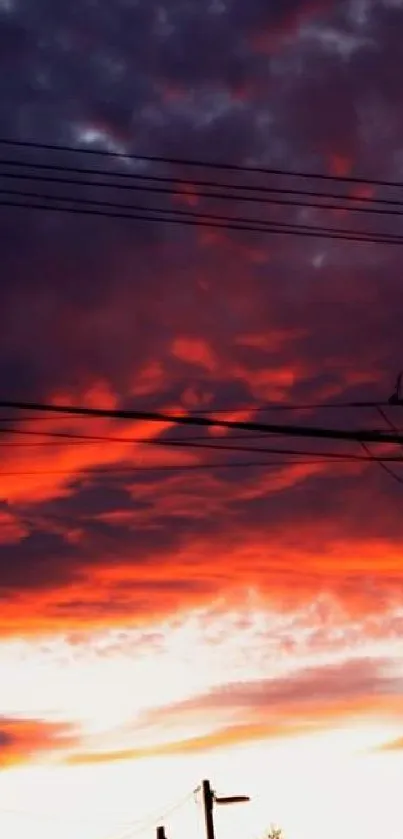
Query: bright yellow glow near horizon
x=315, y=784
x=308, y=787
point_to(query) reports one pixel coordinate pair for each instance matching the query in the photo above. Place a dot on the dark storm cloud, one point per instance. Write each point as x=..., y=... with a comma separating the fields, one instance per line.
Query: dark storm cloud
x=39, y=560
x=151, y=314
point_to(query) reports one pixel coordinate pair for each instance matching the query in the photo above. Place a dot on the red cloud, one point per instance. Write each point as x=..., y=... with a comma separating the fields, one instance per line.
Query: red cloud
x=194, y=351
x=135, y=561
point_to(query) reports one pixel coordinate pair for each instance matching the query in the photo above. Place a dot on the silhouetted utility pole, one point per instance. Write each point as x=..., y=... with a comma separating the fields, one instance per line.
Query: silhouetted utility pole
x=161, y=833
x=209, y=799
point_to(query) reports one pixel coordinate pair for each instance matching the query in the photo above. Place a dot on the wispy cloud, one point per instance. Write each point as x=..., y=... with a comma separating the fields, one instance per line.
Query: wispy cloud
x=23, y=740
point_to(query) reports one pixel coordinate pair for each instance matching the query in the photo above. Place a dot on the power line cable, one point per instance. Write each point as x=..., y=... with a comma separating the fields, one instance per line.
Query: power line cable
x=391, y=425
x=212, y=165
x=375, y=458
x=84, y=439
x=386, y=419
x=244, y=449
x=202, y=444
x=382, y=464
x=136, y=178
x=193, y=467
x=222, y=196
x=154, y=818
x=65, y=818
x=213, y=409
x=294, y=230
x=87, y=440
x=93, y=471
x=197, y=214
x=307, y=406
x=366, y=435
x=184, y=444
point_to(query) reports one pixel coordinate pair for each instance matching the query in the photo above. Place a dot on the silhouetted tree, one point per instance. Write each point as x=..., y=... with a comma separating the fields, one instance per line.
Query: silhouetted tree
x=275, y=833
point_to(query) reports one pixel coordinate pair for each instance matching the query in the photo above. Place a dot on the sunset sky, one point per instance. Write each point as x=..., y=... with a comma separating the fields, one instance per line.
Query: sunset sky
x=195, y=616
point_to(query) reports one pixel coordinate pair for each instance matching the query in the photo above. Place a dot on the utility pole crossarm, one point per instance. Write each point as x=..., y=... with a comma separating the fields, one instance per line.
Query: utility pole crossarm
x=231, y=799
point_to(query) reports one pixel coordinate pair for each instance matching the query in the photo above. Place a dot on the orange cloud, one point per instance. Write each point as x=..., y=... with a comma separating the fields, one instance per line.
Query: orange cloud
x=309, y=700
x=137, y=562
x=23, y=740
x=227, y=737
x=391, y=746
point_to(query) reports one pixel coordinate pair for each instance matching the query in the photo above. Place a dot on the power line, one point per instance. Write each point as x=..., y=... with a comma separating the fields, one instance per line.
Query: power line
x=304, y=406
x=153, y=819
x=206, y=216
x=376, y=459
x=308, y=458
x=138, y=186
x=381, y=464
x=65, y=818
x=270, y=406
x=201, y=443
x=349, y=233
x=177, y=161
x=387, y=419
x=192, y=467
x=359, y=435
x=87, y=440
x=294, y=230
x=137, y=178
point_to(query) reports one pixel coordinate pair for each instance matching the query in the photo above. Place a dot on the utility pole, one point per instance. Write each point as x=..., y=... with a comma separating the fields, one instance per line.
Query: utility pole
x=209, y=799
x=161, y=833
